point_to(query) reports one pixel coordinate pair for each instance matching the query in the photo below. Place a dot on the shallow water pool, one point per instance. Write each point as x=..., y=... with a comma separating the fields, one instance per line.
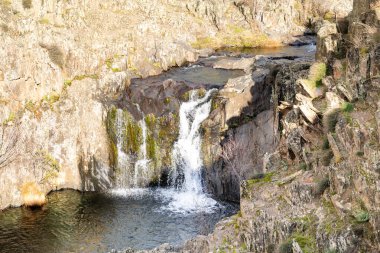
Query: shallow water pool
x=94, y=222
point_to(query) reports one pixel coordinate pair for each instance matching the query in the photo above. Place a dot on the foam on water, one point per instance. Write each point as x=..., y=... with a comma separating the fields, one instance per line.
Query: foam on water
x=185, y=202
x=130, y=193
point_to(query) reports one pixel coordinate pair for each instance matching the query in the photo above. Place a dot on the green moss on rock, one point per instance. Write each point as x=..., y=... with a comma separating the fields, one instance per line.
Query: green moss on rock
x=133, y=136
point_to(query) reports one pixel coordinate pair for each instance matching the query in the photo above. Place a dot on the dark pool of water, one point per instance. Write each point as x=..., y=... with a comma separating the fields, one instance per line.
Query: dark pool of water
x=93, y=222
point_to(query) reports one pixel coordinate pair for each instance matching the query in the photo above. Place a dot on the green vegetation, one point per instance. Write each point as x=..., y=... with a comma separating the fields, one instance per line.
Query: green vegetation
x=261, y=178
x=363, y=51
x=151, y=147
x=204, y=42
x=303, y=166
x=68, y=83
x=110, y=123
x=114, y=153
x=330, y=16
x=6, y=3
x=235, y=29
x=30, y=106
x=167, y=101
x=51, y=98
x=215, y=104
x=44, y=21
x=347, y=107
x=360, y=153
x=133, y=136
x=109, y=64
x=11, y=118
x=53, y=166
x=151, y=121
x=317, y=72
x=52, y=162
x=306, y=242
x=362, y=217
x=286, y=247
x=333, y=221
x=185, y=96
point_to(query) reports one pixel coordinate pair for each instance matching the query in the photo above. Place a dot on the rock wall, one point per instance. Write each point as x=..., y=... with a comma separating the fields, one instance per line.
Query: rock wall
x=61, y=62
x=321, y=193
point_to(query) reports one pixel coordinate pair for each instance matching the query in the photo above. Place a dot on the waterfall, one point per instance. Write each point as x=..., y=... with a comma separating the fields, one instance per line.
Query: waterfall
x=128, y=178
x=122, y=157
x=141, y=165
x=187, y=195
x=187, y=159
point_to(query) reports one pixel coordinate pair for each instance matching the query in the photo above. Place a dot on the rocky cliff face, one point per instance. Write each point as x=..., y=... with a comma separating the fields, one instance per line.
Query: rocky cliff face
x=61, y=62
x=320, y=193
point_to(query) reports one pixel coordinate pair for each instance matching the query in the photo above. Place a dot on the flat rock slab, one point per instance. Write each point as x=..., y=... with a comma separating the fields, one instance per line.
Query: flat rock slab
x=235, y=63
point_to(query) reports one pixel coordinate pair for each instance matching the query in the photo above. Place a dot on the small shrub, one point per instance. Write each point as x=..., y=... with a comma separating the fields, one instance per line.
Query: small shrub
x=286, y=247
x=51, y=98
x=303, y=166
x=167, y=101
x=330, y=16
x=11, y=118
x=362, y=217
x=27, y=4
x=67, y=83
x=317, y=73
x=306, y=242
x=322, y=186
x=347, y=107
x=360, y=153
x=330, y=119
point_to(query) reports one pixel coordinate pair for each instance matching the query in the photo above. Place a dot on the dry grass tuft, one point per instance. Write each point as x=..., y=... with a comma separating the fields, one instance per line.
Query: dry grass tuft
x=32, y=195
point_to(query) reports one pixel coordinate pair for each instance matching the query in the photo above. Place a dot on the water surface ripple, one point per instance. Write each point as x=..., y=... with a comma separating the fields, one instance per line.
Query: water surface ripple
x=94, y=222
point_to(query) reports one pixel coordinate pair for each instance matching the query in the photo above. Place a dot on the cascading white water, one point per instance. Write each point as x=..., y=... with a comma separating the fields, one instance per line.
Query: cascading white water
x=141, y=165
x=122, y=158
x=187, y=161
x=187, y=195
x=128, y=178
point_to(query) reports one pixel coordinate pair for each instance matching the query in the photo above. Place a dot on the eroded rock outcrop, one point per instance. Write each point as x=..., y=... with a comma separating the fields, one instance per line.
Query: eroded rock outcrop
x=321, y=194
x=62, y=61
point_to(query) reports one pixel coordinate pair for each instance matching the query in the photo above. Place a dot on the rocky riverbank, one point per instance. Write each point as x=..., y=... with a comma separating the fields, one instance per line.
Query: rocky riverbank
x=316, y=189
x=295, y=141
x=63, y=61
